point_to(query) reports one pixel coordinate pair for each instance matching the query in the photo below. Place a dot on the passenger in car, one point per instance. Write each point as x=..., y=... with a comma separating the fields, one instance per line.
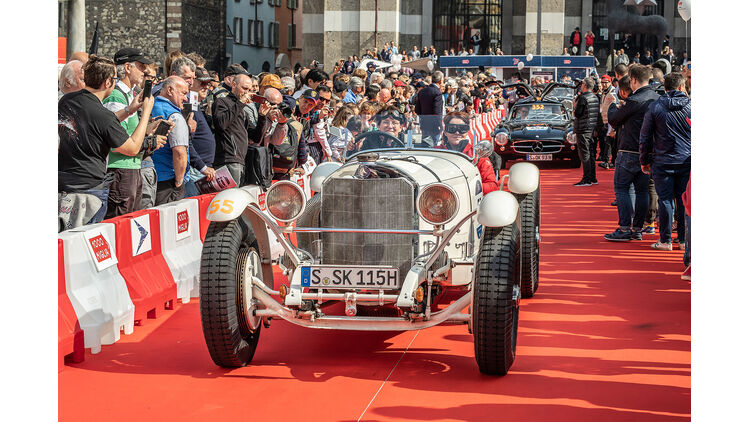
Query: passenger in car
x=456, y=138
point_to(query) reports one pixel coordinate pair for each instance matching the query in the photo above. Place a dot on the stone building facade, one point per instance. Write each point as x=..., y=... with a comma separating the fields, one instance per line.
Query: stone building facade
x=155, y=26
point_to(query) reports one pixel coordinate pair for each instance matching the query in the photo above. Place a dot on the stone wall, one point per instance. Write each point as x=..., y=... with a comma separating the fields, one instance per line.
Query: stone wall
x=127, y=23
x=156, y=27
x=203, y=30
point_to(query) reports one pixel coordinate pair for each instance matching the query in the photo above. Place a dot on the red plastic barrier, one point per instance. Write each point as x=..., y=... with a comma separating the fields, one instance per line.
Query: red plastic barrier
x=69, y=333
x=141, y=264
x=203, y=202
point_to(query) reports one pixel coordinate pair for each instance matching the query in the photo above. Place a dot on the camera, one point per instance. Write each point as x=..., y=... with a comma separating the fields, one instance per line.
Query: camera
x=285, y=110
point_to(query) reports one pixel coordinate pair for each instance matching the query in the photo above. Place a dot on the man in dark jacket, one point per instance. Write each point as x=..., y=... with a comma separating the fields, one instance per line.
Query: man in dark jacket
x=665, y=153
x=627, y=120
x=586, y=114
x=232, y=126
x=429, y=108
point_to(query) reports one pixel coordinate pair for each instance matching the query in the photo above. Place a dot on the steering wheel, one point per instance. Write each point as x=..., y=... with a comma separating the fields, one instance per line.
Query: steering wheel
x=377, y=136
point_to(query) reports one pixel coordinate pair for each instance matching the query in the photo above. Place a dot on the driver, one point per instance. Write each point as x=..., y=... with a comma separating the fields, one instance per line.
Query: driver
x=523, y=113
x=456, y=138
x=389, y=120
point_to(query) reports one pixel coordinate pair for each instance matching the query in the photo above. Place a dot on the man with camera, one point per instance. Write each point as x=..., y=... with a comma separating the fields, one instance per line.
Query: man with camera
x=232, y=127
x=171, y=162
x=271, y=130
x=87, y=132
x=126, y=189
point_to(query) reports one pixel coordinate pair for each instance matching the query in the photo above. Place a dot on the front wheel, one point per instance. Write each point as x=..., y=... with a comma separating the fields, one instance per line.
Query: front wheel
x=496, y=294
x=530, y=211
x=229, y=261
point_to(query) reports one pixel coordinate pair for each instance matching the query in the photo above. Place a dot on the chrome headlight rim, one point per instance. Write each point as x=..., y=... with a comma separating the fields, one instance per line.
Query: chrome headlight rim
x=299, y=190
x=501, y=136
x=571, y=138
x=427, y=188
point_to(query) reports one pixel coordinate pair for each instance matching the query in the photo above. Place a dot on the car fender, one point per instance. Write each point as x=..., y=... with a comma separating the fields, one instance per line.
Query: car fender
x=523, y=178
x=498, y=209
x=229, y=204
x=321, y=172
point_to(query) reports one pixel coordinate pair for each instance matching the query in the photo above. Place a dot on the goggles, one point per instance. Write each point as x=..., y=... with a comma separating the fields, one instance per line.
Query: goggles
x=460, y=128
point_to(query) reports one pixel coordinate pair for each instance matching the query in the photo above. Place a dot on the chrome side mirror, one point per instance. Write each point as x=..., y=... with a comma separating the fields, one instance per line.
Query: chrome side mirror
x=482, y=149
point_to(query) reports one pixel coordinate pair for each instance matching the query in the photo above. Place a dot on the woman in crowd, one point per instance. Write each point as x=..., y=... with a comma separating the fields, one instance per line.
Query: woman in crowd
x=456, y=138
x=340, y=120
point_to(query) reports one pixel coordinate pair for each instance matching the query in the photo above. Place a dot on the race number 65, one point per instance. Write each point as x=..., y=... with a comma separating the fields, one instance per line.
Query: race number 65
x=225, y=206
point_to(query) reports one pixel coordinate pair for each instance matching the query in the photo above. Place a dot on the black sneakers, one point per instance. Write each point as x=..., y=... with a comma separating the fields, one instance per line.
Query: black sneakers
x=620, y=235
x=582, y=183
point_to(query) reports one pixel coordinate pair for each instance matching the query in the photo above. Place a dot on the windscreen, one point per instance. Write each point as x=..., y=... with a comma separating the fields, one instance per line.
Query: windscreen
x=537, y=112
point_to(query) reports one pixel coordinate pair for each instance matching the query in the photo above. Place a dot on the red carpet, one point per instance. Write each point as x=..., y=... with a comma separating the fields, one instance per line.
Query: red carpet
x=606, y=338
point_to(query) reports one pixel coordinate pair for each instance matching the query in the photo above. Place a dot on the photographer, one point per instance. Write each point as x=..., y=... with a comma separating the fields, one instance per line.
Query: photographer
x=232, y=127
x=271, y=130
x=317, y=144
x=87, y=131
x=290, y=155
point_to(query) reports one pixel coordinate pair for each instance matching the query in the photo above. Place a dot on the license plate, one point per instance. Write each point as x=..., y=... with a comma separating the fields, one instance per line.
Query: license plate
x=325, y=277
x=539, y=157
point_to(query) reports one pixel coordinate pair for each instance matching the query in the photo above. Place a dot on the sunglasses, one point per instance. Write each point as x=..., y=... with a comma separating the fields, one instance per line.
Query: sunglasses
x=454, y=128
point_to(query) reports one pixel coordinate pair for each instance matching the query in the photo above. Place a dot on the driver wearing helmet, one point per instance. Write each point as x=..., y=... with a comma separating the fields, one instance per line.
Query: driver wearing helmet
x=456, y=138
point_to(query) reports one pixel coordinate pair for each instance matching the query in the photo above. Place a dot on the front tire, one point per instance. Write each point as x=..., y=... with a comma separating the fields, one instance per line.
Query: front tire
x=496, y=292
x=229, y=327
x=530, y=215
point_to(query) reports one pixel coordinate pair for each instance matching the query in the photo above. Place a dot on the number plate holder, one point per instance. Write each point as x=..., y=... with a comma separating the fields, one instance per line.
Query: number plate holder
x=350, y=277
x=539, y=157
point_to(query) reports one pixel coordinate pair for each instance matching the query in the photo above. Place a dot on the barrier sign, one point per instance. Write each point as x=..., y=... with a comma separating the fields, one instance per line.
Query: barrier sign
x=183, y=223
x=100, y=250
x=262, y=201
x=140, y=234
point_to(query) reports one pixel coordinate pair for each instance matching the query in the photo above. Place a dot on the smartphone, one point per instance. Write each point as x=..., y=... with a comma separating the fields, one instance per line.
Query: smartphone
x=187, y=108
x=258, y=99
x=147, y=88
x=163, y=128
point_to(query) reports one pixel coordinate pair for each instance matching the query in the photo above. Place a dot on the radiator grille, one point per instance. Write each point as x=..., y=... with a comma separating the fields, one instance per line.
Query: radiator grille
x=368, y=204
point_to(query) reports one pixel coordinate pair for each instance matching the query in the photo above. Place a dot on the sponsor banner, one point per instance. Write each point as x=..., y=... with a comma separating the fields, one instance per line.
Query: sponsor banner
x=183, y=221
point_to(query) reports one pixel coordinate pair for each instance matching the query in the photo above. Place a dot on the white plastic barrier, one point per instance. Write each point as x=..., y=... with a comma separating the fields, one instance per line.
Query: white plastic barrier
x=95, y=287
x=181, y=245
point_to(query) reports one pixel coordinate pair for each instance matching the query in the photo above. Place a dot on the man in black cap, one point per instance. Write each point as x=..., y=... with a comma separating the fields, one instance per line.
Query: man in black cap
x=222, y=90
x=125, y=192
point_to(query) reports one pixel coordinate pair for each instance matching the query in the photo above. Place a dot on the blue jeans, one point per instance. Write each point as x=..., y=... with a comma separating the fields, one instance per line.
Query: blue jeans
x=102, y=194
x=627, y=172
x=670, y=182
x=193, y=176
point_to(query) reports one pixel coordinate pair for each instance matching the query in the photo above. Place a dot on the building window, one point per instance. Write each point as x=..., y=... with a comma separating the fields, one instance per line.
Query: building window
x=292, y=4
x=251, y=32
x=273, y=34
x=292, y=35
x=238, y=30
x=259, y=33
x=454, y=22
x=274, y=2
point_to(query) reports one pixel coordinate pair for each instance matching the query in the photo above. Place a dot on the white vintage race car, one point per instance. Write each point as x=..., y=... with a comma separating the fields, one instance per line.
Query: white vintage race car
x=402, y=237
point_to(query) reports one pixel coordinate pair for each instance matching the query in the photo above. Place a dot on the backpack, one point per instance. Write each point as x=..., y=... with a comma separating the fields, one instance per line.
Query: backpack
x=285, y=154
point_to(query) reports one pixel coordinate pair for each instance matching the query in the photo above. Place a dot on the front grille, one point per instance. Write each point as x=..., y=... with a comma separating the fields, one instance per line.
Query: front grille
x=368, y=204
x=537, y=147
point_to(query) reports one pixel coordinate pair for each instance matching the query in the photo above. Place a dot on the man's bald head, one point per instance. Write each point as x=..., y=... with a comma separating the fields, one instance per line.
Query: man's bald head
x=241, y=86
x=273, y=95
x=80, y=56
x=175, y=89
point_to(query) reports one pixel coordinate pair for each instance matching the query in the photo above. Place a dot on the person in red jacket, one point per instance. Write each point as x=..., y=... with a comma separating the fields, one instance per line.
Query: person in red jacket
x=456, y=138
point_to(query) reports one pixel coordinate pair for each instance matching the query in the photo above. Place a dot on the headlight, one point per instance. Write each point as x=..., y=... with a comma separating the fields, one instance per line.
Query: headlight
x=285, y=200
x=571, y=137
x=501, y=138
x=437, y=203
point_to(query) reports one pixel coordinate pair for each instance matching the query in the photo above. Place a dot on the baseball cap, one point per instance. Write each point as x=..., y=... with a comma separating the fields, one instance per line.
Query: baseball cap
x=310, y=94
x=398, y=82
x=421, y=84
x=235, y=69
x=607, y=78
x=201, y=74
x=272, y=80
x=127, y=55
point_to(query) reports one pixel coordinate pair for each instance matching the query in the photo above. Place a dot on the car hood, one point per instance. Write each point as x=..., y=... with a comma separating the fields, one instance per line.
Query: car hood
x=537, y=131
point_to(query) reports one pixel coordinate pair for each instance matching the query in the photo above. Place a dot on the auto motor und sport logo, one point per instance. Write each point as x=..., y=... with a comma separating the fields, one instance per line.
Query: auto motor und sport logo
x=101, y=248
x=262, y=201
x=183, y=222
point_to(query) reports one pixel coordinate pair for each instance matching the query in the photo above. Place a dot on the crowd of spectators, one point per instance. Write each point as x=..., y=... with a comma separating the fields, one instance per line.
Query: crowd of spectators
x=132, y=151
